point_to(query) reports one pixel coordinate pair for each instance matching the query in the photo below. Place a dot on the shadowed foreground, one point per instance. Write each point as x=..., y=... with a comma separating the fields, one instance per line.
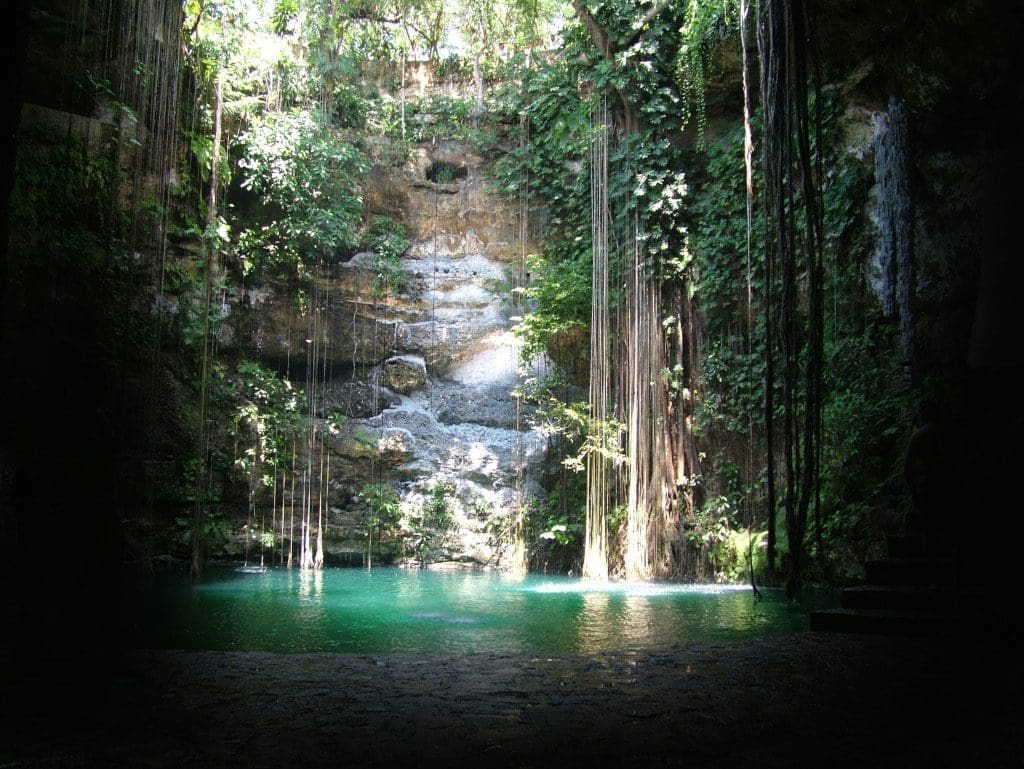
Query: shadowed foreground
x=805, y=700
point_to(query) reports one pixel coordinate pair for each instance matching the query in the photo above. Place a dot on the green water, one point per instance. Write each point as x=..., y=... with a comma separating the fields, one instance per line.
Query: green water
x=422, y=612
x=390, y=610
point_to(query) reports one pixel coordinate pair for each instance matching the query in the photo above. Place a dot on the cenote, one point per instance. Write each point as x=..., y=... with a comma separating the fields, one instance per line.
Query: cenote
x=401, y=611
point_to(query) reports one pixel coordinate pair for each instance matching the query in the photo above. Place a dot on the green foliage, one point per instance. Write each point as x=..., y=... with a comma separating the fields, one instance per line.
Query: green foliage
x=550, y=149
x=731, y=389
x=742, y=552
x=480, y=507
x=864, y=435
x=555, y=415
x=384, y=508
x=548, y=161
x=644, y=71
x=617, y=517
x=215, y=529
x=719, y=237
x=62, y=187
x=307, y=178
x=559, y=299
x=862, y=411
x=195, y=321
x=267, y=418
x=388, y=240
x=201, y=148
x=713, y=522
x=336, y=421
x=651, y=189
x=351, y=107
x=556, y=522
x=562, y=533
x=725, y=550
x=437, y=512
x=434, y=520
x=550, y=156
x=388, y=143
x=603, y=438
x=864, y=406
x=368, y=440
x=439, y=116
x=569, y=423
x=284, y=16
x=705, y=22
x=444, y=176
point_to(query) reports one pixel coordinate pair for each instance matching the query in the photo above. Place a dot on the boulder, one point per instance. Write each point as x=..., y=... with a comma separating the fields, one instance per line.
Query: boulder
x=404, y=374
x=353, y=399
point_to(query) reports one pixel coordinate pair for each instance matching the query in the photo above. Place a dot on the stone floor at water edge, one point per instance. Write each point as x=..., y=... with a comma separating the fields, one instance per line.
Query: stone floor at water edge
x=810, y=699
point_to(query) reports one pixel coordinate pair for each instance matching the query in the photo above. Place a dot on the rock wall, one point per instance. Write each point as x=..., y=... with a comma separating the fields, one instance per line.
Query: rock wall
x=423, y=377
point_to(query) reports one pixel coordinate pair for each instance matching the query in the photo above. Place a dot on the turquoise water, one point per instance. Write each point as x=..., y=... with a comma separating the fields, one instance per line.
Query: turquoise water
x=423, y=612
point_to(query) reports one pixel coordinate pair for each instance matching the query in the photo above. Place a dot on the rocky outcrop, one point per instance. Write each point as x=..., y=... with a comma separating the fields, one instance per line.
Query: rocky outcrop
x=405, y=373
x=458, y=268
x=353, y=399
x=421, y=395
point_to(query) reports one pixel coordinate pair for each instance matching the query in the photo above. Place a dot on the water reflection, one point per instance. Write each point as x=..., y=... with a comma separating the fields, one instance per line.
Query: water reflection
x=424, y=612
x=609, y=622
x=594, y=622
x=311, y=584
x=311, y=618
x=637, y=622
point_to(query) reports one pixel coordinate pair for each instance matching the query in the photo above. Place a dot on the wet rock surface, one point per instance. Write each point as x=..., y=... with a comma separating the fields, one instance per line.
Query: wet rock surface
x=488, y=405
x=420, y=377
x=803, y=700
x=405, y=374
x=353, y=399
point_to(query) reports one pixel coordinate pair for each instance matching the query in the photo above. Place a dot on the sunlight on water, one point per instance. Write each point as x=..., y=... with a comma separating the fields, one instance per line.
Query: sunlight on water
x=637, y=588
x=423, y=612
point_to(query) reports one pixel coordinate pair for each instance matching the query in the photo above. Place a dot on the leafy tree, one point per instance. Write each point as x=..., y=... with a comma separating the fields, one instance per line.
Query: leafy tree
x=559, y=301
x=306, y=176
x=435, y=519
x=388, y=240
x=382, y=515
x=268, y=410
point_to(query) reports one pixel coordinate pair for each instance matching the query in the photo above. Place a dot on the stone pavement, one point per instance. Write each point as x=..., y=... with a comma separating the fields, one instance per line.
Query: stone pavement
x=823, y=700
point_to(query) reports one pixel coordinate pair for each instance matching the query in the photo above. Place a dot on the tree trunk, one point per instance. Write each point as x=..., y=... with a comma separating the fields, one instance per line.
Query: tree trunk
x=595, y=552
x=202, y=476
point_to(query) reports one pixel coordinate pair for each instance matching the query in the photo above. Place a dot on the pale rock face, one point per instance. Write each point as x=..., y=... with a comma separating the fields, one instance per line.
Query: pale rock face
x=424, y=378
x=404, y=374
x=458, y=267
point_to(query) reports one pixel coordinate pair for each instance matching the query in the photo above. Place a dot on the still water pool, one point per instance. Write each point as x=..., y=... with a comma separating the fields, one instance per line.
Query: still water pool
x=401, y=611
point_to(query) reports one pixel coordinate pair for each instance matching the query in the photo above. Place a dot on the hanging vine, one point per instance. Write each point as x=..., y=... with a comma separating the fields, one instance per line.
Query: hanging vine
x=595, y=551
x=210, y=255
x=519, y=556
x=793, y=212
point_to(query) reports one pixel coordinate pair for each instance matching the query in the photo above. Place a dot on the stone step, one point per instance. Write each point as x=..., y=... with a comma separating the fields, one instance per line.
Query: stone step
x=904, y=545
x=895, y=597
x=910, y=597
x=901, y=623
x=909, y=571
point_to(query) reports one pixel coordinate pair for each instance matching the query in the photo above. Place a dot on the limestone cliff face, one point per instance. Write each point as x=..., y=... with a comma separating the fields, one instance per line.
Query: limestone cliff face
x=423, y=377
x=458, y=271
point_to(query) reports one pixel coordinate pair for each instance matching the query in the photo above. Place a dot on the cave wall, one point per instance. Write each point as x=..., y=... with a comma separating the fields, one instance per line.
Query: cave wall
x=953, y=65
x=953, y=69
x=423, y=376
